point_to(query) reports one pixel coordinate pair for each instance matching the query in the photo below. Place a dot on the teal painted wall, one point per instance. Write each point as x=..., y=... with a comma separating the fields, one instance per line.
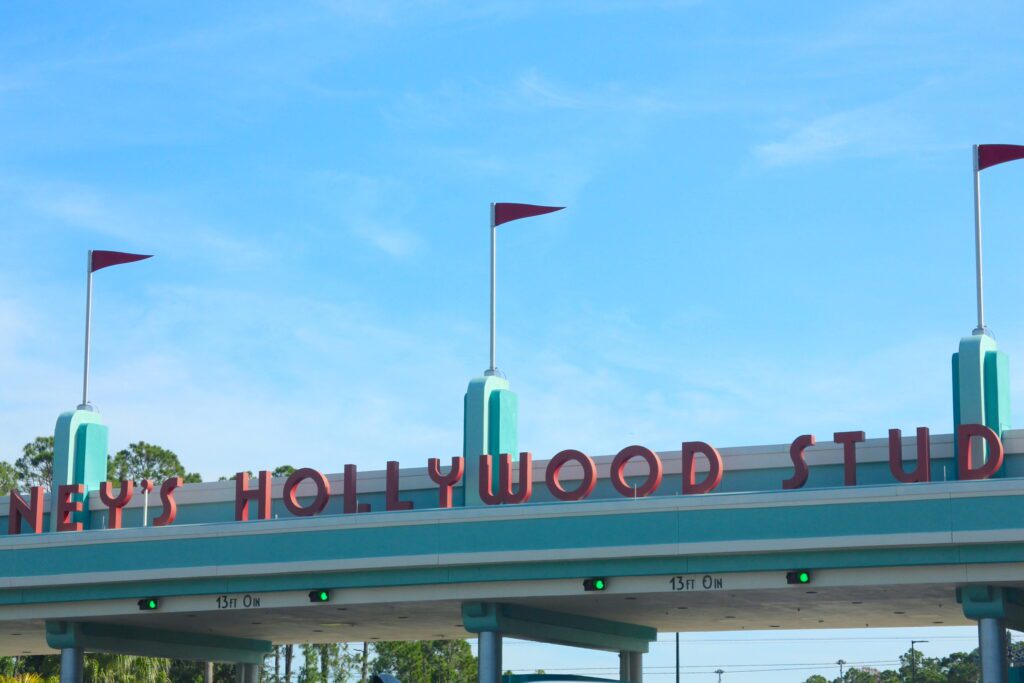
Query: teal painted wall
x=291, y=540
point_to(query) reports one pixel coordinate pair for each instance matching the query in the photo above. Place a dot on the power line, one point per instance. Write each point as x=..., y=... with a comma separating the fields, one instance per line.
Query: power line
x=766, y=640
x=735, y=668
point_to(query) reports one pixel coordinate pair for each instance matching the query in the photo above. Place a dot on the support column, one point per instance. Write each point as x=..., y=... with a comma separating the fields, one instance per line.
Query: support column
x=489, y=428
x=79, y=457
x=624, y=666
x=489, y=657
x=994, y=608
x=981, y=389
x=992, y=641
x=636, y=667
x=247, y=673
x=72, y=665
x=208, y=672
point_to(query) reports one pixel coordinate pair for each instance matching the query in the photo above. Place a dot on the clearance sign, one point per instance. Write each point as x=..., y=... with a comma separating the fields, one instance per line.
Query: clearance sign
x=249, y=494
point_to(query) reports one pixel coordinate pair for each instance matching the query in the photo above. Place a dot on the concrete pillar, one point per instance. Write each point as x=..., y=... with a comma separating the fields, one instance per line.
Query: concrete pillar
x=631, y=667
x=636, y=667
x=992, y=639
x=247, y=673
x=72, y=665
x=489, y=657
x=208, y=672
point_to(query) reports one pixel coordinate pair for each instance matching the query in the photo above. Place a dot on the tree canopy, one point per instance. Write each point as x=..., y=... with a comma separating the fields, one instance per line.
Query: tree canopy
x=143, y=460
x=426, y=661
x=35, y=466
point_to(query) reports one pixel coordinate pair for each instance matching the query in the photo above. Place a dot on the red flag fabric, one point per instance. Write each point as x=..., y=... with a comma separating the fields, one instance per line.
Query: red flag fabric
x=105, y=259
x=990, y=155
x=505, y=212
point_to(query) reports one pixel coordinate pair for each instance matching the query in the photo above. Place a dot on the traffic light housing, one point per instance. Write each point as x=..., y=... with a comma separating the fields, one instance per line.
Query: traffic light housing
x=798, y=577
x=149, y=604
x=320, y=595
x=597, y=584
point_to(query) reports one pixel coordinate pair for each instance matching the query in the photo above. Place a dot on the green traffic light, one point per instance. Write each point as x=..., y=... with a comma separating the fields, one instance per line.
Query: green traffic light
x=147, y=604
x=323, y=596
x=599, y=584
x=805, y=577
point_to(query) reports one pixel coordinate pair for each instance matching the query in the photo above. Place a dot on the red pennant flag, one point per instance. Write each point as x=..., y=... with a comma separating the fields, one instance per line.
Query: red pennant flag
x=990, y=155
x=505, y=212
x=105, y=259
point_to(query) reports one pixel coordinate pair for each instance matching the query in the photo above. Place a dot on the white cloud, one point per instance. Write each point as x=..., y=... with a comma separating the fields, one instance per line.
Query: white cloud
x=876, y=130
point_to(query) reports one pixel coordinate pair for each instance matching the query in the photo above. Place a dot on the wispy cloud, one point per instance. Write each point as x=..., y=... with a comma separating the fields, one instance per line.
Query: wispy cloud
x=535, y=89
x=137, y=220
x=875, y=130
x=371, y=209
x=392, y=241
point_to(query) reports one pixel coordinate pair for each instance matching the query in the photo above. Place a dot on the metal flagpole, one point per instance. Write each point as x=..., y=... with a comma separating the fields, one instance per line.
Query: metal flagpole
x=88, y=324
x=493, y=370
x=980, y=329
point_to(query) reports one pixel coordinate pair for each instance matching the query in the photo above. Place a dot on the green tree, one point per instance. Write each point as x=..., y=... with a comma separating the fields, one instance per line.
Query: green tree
x=426, y=661
x=816, y=678
x=310, y=671
x=962, y=667
x=111, y=668
x=860, y=676
x=182, y=671
x=143, y=460
x=35, y=466
x=8, y=478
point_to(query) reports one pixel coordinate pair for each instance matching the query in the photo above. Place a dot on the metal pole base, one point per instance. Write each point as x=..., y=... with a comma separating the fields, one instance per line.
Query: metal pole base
x=992, y=639
x=72, y=665
x=489, y=657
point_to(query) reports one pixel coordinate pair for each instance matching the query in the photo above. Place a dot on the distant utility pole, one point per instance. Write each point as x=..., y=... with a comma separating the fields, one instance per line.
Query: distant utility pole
x=913, y=660
x=719, y=672
x=841, y=664
x=366, y=661
x=677, y=656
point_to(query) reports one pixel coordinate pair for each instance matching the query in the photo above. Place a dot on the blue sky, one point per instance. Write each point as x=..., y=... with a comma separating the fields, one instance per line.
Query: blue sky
x=769, y=228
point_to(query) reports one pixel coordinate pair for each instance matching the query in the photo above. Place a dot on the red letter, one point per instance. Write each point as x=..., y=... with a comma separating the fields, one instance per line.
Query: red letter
x=66, y=507
x=964, y=460
x=261, y=494
x=923, y=471
x=589, y=475
x=350, y=492
x=715, y=467
x=19, y=510
x=505, y=494
x=391, y=489
x=114, y=505
x=170, y=505
x=796, y=454
x=849, y=441
x=323, y=492
x=653, y=476
x=446, y=482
